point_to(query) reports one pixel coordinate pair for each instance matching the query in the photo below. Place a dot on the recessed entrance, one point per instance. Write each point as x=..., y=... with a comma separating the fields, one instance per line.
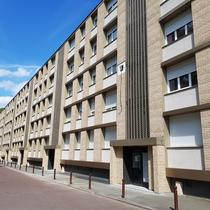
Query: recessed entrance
x=51, y=156
x=21, y=157
x=136, y=166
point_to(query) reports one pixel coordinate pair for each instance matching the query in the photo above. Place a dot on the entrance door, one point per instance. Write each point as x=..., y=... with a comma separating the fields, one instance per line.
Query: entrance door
x=21, y=157
x=51, y=155
x=135, y=166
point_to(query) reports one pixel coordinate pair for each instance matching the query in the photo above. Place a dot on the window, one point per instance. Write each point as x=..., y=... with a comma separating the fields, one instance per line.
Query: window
x=71, y=44
x=82, y=29
x=94, y=47
x=93, y=76
x=111, y=34
x=179, y=33
x=111, y=100
x=92, y=106
x=69, y=90
x=91, y=139
x=111, y=67
x=173, y=84
x=111, y=5
x=48, y=121
x=71, y=66
x=50, y=100
x=51, y=80
x=66, y=141
x=82, y=56
x=194, y=78
x=78, y=139
x=184, y=81
x=109, y=135
x=53, y=61
x=94, y=20
x=80, y=81
x=68, y=114
x=79, y=109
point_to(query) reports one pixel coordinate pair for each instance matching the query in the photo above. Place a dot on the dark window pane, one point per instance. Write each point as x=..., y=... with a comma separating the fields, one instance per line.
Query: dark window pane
x=184, y=81
x=170, y=38
x=194, y=78
x=173, y=84
x=181, y=32
x=190, y=28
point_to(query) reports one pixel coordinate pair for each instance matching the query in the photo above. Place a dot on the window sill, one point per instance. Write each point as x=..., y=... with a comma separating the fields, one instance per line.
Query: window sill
x=69, y=73
x=111, y=11
x=91, y=115
x=92, y=85
x=67, y=122
x=94, y=28
x=109, y=75
x=176, y=40
x=81, y=65
x=93, y=55
x=110, y=43
x=80, y=91
x=110, y=109
x=68, y=97
x=78, y=119
x=82, y=38
x=71, y=50
x=181, y=90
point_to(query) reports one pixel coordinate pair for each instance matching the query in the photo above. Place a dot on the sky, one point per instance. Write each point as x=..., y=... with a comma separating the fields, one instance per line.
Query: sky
x=30, y=32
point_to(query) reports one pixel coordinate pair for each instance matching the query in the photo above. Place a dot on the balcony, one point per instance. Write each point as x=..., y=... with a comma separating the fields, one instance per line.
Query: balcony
x=110, y=17
x=177, y=155
x=91, y=120
x=65, y=155
x=78, y=123
x=169, y=5
x=110, y=80
x=68, y=101
x=110, y=47
x=181, y=99
x=93, y=33
x=93, y=60
x=66, y=126
x=90, y=155
x=105, y=156
x=178, y=47
x=71, y=53
x=110, y=116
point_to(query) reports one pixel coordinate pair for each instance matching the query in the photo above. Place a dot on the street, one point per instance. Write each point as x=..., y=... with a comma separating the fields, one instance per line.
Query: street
x=21, y=192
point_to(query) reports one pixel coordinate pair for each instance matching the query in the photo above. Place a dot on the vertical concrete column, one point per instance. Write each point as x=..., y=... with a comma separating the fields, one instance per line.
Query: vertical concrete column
x=98, y=144
x=83, y=145
x=159, y=169
x=57, y=165
x=116, y=165
x=72, y=145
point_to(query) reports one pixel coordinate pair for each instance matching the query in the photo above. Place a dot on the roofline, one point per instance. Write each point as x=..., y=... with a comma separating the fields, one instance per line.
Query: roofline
x=85, y=19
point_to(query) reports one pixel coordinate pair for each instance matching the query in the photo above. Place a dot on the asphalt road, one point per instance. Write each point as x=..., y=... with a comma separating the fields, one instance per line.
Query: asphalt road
x=21, y=192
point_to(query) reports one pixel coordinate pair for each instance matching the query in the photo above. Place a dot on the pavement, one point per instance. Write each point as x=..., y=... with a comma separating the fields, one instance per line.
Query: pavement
x=135, y=196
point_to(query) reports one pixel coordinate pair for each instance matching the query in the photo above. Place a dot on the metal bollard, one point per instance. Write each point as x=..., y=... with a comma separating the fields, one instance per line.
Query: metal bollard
x=26, y=168
x=20, y=167
x=33, y=169
x=176, y=203
x=54, y=173
x=70, y=179
x=42, y=171
x=90, y=180
x=123, y=189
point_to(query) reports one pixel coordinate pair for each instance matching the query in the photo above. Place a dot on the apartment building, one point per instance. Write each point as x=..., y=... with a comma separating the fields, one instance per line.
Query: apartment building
x=125, y=97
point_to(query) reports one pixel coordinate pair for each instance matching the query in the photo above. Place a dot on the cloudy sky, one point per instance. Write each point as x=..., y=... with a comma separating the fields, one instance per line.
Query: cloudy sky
x=30, y=31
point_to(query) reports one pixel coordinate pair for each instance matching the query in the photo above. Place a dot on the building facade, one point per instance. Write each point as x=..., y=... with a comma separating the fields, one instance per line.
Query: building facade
x=125, y=97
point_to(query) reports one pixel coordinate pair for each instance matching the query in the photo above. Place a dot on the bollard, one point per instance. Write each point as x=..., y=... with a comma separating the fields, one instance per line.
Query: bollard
x=70, y=179
x=54, y=173
x=11, y=164
x=176, y=205
x=123, y=189
x=26, y=168
x=33, y=169
x=20, y=167
x=42, y=171
x=90, y=181
x=15, y=165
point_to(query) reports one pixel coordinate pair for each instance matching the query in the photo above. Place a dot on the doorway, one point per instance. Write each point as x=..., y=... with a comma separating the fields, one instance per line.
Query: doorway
x=51, y=156
x=136, y=166
x=21, y=157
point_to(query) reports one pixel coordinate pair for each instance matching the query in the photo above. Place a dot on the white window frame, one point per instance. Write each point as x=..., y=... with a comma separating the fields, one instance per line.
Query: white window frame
x=111, y=35
x=111, y=67
x=110, y=96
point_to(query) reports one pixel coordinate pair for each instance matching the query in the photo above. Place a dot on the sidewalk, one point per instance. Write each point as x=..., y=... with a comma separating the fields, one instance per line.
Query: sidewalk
x=137, y=196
